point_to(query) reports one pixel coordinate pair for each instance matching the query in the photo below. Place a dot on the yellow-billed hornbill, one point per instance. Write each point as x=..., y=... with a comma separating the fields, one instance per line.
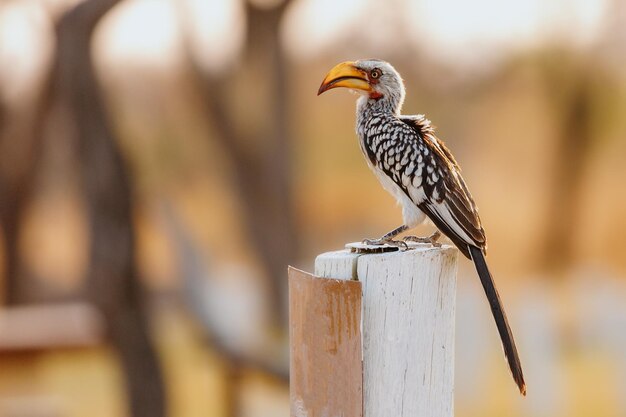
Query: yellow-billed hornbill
x=421, y=173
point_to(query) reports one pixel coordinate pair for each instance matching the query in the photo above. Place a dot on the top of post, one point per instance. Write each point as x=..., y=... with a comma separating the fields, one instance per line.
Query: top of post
x=342, y=264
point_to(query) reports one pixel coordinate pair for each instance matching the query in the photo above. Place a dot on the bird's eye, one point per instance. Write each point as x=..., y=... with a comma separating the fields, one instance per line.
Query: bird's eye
x=375, y=73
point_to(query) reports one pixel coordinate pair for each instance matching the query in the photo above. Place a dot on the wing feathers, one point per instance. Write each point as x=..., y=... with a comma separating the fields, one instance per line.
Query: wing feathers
x=451, y=207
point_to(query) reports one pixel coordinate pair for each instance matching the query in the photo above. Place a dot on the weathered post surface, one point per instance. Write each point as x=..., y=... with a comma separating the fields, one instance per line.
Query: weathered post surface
x=326, y=371
x=406, y=305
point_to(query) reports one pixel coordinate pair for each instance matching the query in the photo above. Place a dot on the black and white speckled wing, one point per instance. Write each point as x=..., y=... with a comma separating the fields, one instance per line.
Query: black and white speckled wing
x=407, y=151
x=448, y=202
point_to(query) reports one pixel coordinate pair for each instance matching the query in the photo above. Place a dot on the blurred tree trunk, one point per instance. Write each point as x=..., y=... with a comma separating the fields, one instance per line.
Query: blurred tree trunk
x=260, y=156
x=570, y=164
x=112, y=277
x=21, y=131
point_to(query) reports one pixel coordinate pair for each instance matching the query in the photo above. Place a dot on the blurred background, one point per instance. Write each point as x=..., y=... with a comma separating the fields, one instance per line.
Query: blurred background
x=162, y=161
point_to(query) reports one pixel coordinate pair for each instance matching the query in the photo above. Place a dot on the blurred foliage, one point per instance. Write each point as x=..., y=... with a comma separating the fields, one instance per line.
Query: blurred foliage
x=538, y=131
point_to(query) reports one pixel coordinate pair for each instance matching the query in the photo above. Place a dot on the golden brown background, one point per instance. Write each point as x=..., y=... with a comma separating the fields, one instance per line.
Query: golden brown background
x=162, y=161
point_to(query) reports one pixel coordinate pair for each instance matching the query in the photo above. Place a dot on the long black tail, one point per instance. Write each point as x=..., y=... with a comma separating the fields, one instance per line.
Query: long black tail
x=510, y=351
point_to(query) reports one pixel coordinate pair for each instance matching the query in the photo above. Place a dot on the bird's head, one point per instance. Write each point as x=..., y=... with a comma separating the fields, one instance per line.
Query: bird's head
x=373, y=78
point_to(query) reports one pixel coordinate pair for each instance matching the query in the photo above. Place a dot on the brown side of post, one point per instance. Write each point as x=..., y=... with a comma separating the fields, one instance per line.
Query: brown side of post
x=326, y=375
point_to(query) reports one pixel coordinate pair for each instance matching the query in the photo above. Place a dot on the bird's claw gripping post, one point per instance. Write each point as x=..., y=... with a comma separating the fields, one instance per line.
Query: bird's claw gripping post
x=385, y=243
x=370, y=246
x=400, y=244
x=432, y=239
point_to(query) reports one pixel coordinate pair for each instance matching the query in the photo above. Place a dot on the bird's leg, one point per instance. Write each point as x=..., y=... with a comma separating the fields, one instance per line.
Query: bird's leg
x=432, y=239
x=387, y=238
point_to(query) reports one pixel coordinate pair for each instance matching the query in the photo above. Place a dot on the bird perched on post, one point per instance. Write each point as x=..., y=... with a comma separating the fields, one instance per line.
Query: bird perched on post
x=420, y=172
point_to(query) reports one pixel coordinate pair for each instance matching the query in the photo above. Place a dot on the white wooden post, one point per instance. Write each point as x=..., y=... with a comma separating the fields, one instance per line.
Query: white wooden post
x=408, y=306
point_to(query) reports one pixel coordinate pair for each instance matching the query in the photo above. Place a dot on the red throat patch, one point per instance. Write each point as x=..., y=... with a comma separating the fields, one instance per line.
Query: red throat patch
x=375, y=95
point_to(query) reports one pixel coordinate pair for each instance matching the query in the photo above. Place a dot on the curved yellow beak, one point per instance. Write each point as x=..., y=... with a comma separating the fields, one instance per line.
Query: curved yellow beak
x=345, y=75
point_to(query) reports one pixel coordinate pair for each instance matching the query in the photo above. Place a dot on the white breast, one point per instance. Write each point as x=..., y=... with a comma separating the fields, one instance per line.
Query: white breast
x=411, y=214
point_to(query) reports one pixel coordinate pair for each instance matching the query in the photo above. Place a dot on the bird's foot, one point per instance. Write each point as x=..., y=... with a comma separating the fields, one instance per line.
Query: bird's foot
x=382, y=241
x=432, y=239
